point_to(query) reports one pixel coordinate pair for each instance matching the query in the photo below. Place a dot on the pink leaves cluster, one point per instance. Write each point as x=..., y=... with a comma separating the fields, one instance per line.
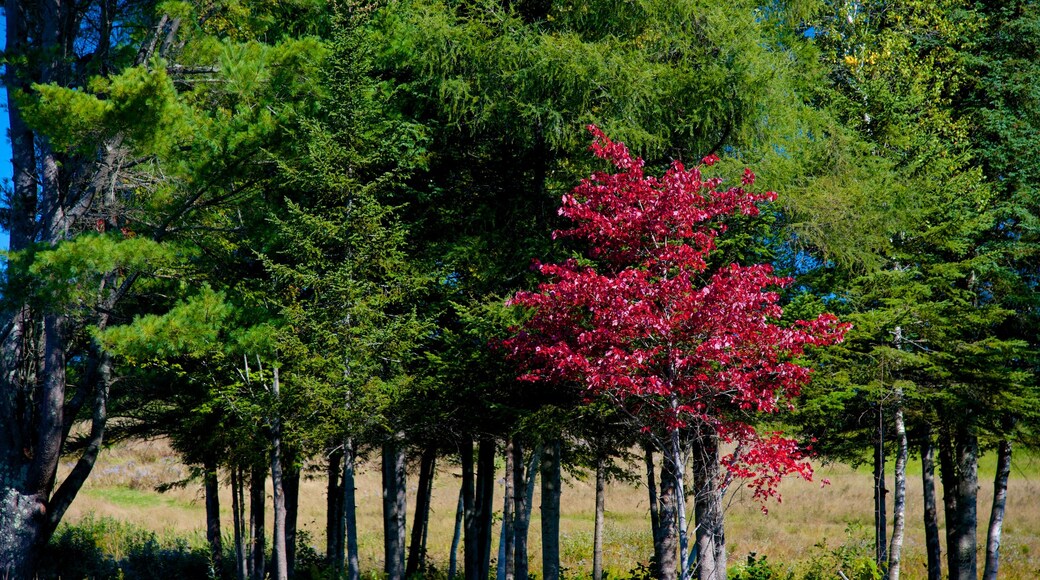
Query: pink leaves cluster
x=650, y=329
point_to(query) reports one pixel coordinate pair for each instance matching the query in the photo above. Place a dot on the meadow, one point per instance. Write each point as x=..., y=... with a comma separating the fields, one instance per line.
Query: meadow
x=816, y=526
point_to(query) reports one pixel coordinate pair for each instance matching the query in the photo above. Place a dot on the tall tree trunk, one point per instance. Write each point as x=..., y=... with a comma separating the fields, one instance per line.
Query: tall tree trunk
x=471, y=539
x=394, y=523
x=506, y=541
x=485, y=502
x=456, y=537
x=711, y=538
x=655, y=516
x=334, y=529
x=958, y=456
x=676, y=457
x=417, y=549
x=996, y=516
x=880, y=506
x=899, y=501
x=350, y=510
x=291, y=486
x=238, y=519
x=668, y=517
x=257, y=541
x=931, y=512
x=212, y=490
x=601, y=504
x=550, y=478
x=967, y=502
x=523, y=493
x=280, y=555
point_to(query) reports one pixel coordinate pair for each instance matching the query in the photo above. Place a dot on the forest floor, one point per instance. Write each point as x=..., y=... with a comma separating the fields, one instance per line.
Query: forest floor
x=814, y=523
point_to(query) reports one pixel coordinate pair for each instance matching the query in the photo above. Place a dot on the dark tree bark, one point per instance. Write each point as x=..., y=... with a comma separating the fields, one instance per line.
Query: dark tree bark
x=880, y=507
x=350, y=511
x=958, y=456
x=550, y=478
x=485, y=496
x=471, y=538
x=655, y=516
x=931, y=511
x=239, y=520
x=335, y=538
x=257, y=542
x=996, y=517
x=417, y=548
x=212, y=490
x=291, y=485
x=456, y=537
x=394, y=517
x=507, y=539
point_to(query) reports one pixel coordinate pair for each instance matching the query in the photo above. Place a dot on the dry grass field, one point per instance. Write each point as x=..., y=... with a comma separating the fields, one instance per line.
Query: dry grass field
x=811, y=520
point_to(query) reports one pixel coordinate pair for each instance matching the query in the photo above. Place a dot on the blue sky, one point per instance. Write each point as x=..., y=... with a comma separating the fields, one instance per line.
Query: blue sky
x=5, y=143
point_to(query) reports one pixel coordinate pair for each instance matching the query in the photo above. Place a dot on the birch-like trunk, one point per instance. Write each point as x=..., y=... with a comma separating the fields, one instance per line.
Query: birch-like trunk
x=996, y=516
x=601, y=502
x=281, y=562
x=238, y=520
x=523, y=490
x=899, y=500
x=651, y=487
x=257, y=504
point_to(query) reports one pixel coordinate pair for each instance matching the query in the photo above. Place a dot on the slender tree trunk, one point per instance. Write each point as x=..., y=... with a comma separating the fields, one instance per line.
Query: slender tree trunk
x=291, y=486
x=416, y=548
x=550, y=478
x=711, y=538
x=453, y=558
x=257, y=541
x=471, y=539
x=679, y=470
x=281, y=567
x=523, y=492
x=350, y=511
x=238, y=519
x=931, y=512
x=485, y=502
x=601, y=504
x=655, y=516
x=506, y=542
x=668, y=517
x=334, y=529
x=394, y=523
x=899, y=501
x=880, y=507
x=212, y=485
x=996, y=516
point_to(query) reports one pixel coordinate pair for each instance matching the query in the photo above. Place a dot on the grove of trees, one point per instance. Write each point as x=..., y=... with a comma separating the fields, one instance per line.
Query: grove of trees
x=289, y=232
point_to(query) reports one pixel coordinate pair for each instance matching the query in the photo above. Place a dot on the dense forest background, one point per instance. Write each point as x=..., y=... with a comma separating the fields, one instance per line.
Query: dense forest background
x=280, y=234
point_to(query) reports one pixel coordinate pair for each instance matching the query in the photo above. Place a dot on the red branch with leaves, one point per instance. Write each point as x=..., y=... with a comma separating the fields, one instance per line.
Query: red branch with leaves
x=645, y=330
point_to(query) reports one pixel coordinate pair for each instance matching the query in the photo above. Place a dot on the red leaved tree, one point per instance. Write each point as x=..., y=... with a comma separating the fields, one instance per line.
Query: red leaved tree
x=691, y=354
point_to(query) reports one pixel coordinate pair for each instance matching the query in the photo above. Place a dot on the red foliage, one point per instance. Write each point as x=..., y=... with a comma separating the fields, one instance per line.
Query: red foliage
x=645, y=330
